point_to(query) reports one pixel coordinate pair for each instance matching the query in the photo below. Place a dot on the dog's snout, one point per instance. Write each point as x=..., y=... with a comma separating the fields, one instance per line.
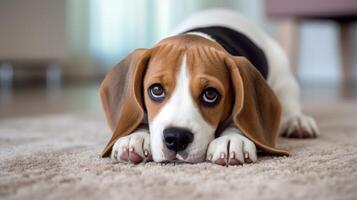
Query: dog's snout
x=177, y=139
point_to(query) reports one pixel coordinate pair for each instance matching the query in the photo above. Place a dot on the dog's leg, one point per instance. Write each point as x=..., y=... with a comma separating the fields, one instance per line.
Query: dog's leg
x=231, y=148
x=134, y=148
x=294, y=123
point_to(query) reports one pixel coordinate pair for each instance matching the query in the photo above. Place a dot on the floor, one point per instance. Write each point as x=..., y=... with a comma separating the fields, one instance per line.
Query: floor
x=50, y=145
x=39, y=100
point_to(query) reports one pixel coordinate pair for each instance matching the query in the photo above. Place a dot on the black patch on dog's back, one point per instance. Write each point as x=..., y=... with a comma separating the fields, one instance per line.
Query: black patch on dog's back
x=237, y=44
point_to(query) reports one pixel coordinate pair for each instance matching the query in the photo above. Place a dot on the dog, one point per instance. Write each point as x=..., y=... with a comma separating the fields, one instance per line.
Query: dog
x=219, y=90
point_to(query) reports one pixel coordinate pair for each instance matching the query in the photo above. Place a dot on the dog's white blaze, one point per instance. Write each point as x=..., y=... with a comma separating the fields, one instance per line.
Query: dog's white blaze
x=181, y=111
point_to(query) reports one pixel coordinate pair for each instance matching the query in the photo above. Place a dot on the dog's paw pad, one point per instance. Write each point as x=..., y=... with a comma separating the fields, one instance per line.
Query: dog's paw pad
x=300, y=127
x=134, y=148
x=231, y=149
x=247, y=158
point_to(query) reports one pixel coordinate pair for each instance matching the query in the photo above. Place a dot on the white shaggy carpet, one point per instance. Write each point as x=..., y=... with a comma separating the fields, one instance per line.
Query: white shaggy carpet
x=57, y=157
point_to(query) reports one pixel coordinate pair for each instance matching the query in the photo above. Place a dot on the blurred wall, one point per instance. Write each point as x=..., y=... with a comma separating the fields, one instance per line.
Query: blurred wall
x=32, y=29
x=48, y=29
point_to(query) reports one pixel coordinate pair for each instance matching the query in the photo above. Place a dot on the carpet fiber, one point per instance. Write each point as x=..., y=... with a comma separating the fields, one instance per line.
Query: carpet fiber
x=57, y=157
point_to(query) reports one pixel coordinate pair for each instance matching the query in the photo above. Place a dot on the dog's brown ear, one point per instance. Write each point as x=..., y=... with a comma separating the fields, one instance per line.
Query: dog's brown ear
x=256, y=109
x=121, y=97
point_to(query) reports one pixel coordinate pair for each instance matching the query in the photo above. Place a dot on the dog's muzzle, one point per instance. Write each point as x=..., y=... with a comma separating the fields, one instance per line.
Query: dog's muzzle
x=177, y=139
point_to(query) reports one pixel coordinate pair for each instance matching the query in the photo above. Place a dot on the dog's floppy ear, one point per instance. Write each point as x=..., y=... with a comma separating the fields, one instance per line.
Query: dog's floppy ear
x=121, y=96
x=256, y=109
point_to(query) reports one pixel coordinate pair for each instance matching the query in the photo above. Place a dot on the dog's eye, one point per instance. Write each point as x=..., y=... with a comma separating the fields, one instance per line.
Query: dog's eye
x=156, y=92
x=210, y=97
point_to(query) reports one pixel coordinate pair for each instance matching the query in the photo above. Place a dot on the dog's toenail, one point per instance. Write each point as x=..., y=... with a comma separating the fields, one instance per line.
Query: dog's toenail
x=222, y=156
x=247, y=158
x=146, y=153
x=131, y=149
x=209, y=157
x=232, y=155
x=246, y=155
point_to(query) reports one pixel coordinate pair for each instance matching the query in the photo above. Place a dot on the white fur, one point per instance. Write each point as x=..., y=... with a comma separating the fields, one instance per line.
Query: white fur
x=139, y=140
x=201, y=34
x=231, y=142
x=280, y=77
x=181, y=111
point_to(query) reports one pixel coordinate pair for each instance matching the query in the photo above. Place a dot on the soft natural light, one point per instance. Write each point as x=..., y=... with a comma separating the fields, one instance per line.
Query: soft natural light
x=115, y=28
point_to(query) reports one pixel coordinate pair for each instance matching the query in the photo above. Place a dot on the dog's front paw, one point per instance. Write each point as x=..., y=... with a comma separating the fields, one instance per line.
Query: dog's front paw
x=231, y=149
x=301, y=126
x=134, y=148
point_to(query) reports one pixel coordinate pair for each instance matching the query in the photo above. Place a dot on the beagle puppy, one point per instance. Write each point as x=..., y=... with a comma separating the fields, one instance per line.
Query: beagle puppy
x=219, y=89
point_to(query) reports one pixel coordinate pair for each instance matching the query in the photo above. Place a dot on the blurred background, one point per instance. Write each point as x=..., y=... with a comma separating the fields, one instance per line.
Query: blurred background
x=54, y=53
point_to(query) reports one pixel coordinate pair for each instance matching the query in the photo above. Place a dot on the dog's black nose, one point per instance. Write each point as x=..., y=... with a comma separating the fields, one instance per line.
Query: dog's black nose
x=177, y=139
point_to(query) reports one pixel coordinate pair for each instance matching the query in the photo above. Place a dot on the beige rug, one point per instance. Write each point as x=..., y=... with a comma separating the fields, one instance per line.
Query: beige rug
x=57, y=157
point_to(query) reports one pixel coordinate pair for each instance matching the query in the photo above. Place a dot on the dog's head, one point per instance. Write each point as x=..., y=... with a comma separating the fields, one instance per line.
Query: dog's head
x=186, y=87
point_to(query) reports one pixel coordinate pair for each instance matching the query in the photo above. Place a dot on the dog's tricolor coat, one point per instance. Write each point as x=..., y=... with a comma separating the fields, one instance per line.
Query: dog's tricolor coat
x=202, y=94
x=237, y=44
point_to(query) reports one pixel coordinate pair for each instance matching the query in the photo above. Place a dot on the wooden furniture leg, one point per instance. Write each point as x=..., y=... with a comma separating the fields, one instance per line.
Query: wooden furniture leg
x=346, y=66
x=288, y=36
